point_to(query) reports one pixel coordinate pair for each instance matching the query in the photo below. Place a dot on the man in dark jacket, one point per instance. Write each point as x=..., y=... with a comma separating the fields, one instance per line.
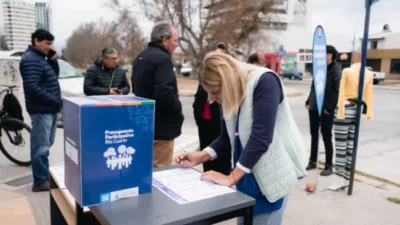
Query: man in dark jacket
x=334, y=74
x=153, y=77
x=39, y=69
x=104, y=77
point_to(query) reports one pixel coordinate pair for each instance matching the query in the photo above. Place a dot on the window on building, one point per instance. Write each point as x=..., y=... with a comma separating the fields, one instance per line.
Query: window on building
x=374, y=44
x=395, y=66
x=299, y=12
x=280, y=2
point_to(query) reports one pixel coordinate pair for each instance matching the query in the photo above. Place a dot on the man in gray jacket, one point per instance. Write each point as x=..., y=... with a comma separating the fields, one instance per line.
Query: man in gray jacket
x=104, y=77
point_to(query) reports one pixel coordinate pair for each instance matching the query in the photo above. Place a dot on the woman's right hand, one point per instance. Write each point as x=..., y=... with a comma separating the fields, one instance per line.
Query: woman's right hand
x=191, y=159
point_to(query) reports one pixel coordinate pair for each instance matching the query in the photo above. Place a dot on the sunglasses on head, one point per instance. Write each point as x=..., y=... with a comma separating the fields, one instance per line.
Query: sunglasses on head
x=222, y=45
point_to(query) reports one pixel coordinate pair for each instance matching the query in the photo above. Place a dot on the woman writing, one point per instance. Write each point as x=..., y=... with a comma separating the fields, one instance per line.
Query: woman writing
x=208, y=120
x=268, y=151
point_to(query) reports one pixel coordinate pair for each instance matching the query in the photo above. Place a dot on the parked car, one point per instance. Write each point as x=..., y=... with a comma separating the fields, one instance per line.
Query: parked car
x=186, y=69
x=127, y=68
x=71, y=84
x=292, y=74
x=71, y=80
x=378, y=76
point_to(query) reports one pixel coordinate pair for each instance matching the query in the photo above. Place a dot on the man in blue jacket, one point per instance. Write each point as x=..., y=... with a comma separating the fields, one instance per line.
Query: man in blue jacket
x=39, y=69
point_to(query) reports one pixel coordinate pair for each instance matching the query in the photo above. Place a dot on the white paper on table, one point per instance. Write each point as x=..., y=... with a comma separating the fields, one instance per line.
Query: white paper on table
x=184, y=185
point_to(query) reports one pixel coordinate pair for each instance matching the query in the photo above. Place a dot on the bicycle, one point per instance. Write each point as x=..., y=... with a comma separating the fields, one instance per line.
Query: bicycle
x=17, y=133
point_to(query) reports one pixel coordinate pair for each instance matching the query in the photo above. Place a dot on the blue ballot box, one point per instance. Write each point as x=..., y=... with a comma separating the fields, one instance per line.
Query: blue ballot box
x=108, y=147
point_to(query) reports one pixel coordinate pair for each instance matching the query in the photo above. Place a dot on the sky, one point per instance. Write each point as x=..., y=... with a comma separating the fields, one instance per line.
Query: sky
x=338, y=17
x=69, y=14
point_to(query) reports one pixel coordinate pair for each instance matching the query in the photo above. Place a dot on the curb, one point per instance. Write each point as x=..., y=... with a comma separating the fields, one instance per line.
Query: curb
x=370, y=176
x=294, y=94
x=187, y=93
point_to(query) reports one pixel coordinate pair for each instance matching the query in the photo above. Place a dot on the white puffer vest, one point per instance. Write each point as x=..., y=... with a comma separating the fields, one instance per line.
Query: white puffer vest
x=279, y=169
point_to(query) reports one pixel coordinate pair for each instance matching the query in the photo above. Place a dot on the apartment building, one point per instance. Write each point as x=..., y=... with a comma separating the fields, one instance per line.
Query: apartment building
x=43, y=15
x=17, y=20
x=283, y=31
x=286, y=25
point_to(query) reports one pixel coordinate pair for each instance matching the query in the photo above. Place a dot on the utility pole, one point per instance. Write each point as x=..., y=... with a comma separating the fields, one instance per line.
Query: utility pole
x=354, y=47
x=368, y=4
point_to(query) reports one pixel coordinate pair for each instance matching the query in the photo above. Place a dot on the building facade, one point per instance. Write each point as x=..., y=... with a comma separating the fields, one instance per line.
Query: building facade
x=18, y=23
x=286, y=26
x=43, y=16
x=384, y=52
x=283, y=30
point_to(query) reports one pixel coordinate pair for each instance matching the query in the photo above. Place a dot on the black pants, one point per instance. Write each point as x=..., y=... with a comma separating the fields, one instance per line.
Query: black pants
x=209, y=130
x=326, y=124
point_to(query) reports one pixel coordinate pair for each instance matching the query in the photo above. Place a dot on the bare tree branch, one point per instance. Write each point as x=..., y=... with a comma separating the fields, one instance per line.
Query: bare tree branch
x=86, y=42
x=190, y=13
x=200, y=31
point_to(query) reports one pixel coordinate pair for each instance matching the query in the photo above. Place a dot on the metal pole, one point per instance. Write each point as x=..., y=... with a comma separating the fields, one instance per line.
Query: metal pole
x=316, y=162
x=360, y=94
x=354, y=47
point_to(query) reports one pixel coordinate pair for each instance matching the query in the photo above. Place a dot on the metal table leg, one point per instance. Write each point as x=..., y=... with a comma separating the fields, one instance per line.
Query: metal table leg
x=56, y=217
x=79, y=217
x=248, y=216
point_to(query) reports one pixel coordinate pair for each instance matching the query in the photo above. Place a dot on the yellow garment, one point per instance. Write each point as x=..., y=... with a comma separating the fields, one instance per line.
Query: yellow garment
x=349, y=89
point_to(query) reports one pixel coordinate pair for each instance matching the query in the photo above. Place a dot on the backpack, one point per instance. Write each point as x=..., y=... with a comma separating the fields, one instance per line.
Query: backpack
x=13, y=108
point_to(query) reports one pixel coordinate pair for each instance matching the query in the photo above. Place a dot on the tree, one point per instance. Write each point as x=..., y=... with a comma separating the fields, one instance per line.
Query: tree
x=203, y=23
x=86, y=42
x=3, y=43
x=63, y=57
x=129, y=35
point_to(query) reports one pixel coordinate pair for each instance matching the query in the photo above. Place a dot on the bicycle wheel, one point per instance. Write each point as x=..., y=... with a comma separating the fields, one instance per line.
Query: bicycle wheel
x=15, y=141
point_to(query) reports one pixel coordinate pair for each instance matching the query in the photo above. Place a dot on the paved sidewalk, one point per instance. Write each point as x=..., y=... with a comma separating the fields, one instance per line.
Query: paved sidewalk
x=367, y=206
x=15, y=209
x=188, y=87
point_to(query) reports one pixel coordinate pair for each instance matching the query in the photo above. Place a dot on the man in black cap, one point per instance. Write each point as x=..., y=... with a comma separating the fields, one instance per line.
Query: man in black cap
x=334, y=74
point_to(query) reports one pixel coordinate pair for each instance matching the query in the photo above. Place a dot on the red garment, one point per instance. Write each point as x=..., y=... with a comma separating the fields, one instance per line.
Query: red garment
x=206, y=114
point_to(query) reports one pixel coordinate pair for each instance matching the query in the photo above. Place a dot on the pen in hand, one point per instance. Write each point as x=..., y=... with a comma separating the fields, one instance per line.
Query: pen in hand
x=180, y=158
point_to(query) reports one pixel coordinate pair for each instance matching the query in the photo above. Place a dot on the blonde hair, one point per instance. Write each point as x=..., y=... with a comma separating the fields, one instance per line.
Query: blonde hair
x=224, y=71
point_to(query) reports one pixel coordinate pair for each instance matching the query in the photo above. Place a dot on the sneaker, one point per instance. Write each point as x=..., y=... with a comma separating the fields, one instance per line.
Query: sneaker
x=327, y=171
x=42, y=187
x=311, y=166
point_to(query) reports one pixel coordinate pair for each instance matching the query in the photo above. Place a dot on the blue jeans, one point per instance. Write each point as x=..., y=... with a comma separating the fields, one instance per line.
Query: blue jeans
x=42, y=138
x=272, y=218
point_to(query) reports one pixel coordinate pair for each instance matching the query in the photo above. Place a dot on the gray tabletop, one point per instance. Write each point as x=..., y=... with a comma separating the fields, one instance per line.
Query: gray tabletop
x=157, y=208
